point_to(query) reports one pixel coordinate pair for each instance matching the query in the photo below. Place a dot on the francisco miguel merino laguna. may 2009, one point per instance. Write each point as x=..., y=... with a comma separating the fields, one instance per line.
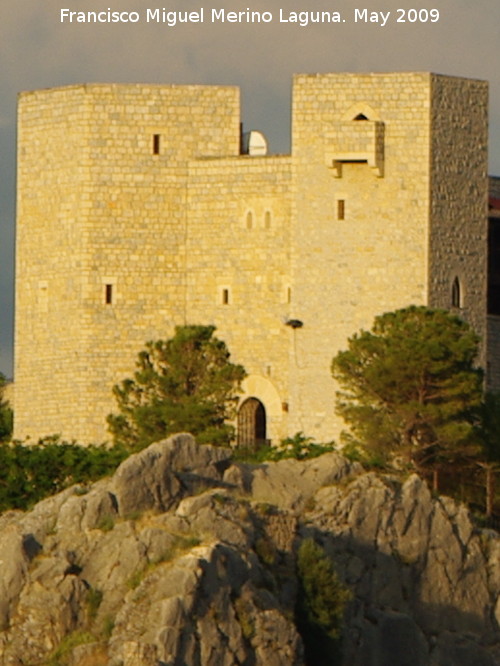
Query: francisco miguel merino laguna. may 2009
x=214, y=15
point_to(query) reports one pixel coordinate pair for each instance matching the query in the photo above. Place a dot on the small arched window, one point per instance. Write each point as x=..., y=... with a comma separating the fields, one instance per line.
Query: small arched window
x=267, y=219
x=456, y=294
x=249, y=220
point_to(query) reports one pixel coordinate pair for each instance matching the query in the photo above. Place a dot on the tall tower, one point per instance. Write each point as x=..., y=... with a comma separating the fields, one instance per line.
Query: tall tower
x=101, y=238
x=390, y=210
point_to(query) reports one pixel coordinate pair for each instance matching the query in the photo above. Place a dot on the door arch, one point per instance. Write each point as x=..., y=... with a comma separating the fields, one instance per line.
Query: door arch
x=251, y=424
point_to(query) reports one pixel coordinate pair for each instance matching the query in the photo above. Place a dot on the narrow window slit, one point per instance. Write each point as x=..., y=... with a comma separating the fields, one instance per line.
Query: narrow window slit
x=156, y=144
x=456, y=294
x=108, y=294
x=341, y=209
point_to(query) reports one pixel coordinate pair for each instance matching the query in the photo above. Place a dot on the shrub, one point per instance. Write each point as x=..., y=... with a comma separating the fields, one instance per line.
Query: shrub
x=6, y=414
x=321, y=604
x=61, y=655
x=94, y=599
x=298, y=447
x=28, y=473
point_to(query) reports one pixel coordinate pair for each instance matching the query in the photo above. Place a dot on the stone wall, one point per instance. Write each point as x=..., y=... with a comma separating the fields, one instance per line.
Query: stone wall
x=97, y=207
x=238, y=243
x=346, y=271
x=137, y=213
x=459, y=196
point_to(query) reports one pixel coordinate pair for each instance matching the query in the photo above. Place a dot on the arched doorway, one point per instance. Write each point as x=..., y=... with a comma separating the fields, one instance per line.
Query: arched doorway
x=252, y=424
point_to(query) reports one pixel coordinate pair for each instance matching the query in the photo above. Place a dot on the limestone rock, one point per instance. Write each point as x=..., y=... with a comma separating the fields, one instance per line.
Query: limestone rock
x=14, y=563
x=291, y=483
x=184, y=558
x=164, y=472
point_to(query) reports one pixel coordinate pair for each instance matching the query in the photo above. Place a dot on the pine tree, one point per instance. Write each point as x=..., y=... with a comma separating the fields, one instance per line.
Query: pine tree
x=489, y=433
x=409, y=386
x=185, y=384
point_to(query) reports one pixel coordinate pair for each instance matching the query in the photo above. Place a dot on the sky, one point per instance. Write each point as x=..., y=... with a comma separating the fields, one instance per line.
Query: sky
x=37, y=50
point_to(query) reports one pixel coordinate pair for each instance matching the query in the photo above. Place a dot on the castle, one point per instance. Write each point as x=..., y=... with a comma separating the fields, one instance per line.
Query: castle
x=139, y=209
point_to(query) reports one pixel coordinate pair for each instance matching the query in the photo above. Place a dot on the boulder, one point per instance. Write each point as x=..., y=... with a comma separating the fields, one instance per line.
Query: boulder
x=183, y=557
x=159, y=476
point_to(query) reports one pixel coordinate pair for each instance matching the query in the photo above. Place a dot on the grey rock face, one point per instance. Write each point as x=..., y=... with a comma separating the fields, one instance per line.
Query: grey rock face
x=418, y=557
x=166, y=471
x=185, y=559
x=290, y=483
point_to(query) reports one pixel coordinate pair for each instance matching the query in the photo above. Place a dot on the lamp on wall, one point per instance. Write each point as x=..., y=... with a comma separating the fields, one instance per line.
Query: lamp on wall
x=294, y=323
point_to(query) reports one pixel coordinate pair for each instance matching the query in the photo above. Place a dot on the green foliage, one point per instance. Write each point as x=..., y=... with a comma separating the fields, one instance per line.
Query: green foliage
x=107, y=626
x=94, y=600
x=180, y=544
x=185, y=384
x=106, y=524
x=30, y=473
x=61, y=655
x=301, y=447
x=298, y=447
x=372, y=459
x=321, y=603
x=409, y=386
x=489, y=427
x=488, y=464
x=6, y=414
x=245, y=615
x=136, y=578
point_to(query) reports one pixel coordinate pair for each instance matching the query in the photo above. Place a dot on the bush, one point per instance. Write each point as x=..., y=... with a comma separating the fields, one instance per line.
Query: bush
x=298, y=447
x=321, y=603
x=30, y=473
x=6, y=415
x=61, y=654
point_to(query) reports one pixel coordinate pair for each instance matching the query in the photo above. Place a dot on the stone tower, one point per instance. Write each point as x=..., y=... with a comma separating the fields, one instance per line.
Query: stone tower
x=137, y=212
x=391, y=190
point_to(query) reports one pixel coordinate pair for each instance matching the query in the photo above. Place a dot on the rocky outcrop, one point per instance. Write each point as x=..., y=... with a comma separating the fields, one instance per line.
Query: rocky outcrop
x=184, y=558
x=426, y=580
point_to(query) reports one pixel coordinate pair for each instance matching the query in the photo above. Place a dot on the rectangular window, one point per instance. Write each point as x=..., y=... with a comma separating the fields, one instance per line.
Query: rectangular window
x=156, y=144
x=108, y=294
x=225, y=296
x=340, y=209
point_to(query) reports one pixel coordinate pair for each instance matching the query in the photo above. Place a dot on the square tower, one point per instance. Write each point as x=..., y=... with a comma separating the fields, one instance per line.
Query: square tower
x=101, y=238
x=390, y=210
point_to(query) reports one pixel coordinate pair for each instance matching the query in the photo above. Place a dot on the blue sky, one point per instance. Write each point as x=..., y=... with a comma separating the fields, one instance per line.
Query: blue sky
x=38, y=51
